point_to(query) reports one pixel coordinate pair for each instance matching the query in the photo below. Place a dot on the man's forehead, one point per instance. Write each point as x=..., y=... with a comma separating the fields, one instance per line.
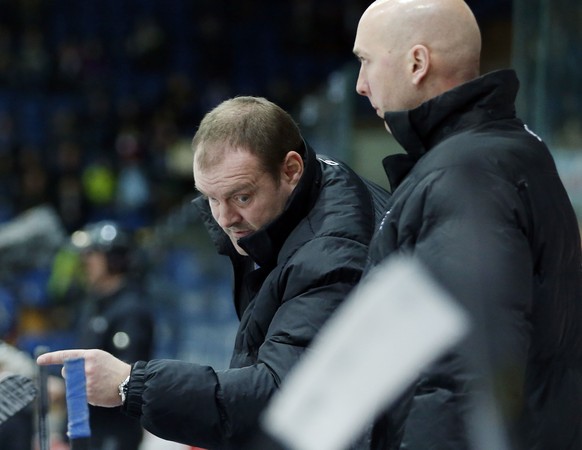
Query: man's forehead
x=235, y=172
x=367, y=44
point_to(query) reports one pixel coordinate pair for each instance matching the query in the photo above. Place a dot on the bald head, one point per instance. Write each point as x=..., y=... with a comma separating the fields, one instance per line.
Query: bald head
x=423, y=48
x=446, y=27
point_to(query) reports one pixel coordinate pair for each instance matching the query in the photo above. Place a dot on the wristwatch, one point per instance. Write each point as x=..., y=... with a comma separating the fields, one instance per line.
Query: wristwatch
x=122, y=388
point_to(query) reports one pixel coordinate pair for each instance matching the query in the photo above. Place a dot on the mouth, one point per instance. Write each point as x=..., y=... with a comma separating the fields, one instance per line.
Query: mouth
x=239, y=234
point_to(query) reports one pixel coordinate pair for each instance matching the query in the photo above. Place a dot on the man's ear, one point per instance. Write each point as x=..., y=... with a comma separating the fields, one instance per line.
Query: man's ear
x=292, y=168
x=419, y=61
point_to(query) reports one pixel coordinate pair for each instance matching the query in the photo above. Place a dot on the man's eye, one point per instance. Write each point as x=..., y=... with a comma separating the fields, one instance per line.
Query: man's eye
x=212, y=201
x=242, y=199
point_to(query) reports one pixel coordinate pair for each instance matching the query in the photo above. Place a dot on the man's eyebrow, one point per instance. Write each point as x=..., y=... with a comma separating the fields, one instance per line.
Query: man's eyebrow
x=238, y=188
x=234, y=190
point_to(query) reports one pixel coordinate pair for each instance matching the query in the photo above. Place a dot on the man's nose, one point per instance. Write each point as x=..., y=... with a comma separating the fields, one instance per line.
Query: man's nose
x=226, y=216
x=361, y=84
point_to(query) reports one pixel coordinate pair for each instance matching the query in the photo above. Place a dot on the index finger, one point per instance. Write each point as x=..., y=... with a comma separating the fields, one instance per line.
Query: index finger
x=59, y=357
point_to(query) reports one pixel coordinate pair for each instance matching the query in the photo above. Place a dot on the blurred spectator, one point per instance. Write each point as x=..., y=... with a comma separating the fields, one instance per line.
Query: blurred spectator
x=6, y=55
x=68, y=192
x=147, y=45
x=114, y=316
x=32, y=60
x=99, y=182
x=133, y=190
x=34, y=186
x=68, y=65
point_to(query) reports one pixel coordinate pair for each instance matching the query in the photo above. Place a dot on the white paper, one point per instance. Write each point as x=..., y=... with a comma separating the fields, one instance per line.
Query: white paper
x=394, y=324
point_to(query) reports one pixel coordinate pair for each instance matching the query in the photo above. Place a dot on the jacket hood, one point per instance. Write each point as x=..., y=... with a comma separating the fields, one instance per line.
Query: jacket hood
x=491, y=96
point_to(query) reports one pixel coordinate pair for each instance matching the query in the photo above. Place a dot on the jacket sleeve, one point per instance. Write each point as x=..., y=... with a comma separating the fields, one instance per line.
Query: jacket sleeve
x=196, y=405
x=474, y=238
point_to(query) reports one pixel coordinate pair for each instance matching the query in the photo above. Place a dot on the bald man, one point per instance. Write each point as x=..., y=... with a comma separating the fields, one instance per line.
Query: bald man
x=477, y=198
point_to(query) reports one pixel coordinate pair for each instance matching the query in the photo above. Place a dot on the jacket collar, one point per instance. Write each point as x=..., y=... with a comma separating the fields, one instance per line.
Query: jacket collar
x=489, y=97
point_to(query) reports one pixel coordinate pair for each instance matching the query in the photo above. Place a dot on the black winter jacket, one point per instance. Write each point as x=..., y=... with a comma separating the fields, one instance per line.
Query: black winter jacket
x=477, y=198
x=309, y=258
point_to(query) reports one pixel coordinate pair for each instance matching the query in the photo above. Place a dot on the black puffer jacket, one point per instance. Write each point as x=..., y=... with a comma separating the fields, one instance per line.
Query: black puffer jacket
x=309, y=259
x=477, y=198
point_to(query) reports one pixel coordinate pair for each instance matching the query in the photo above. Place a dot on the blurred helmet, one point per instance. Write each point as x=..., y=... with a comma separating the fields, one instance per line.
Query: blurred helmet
x=106, y=237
